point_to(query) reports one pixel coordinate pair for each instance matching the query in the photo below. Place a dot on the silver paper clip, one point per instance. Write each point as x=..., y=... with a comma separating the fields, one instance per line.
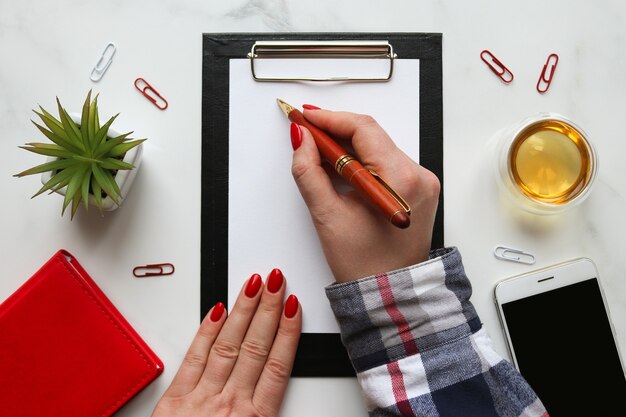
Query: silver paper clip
x=103, y=63
x=513, y=255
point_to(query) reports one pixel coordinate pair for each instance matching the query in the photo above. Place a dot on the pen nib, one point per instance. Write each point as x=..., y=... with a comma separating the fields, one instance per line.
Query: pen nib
x=286, y=108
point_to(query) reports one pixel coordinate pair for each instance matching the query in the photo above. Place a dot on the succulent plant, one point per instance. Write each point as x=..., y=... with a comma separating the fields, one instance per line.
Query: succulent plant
x=86, y=158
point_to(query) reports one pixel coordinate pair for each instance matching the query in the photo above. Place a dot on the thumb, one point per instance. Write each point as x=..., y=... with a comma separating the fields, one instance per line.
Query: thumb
x=311, y=178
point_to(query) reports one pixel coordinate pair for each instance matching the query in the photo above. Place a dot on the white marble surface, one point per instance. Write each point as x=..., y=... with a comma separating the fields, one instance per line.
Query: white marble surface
x=49, y=49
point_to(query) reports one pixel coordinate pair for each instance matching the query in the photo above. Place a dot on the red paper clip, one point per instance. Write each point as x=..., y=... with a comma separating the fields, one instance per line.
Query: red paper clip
x=544, y=83
x=153, y=270
x=496, y=66
x=158, y=101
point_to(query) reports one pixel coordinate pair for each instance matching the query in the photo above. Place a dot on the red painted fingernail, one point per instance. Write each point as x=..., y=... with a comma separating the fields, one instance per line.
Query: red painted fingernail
x=218, y=311
x=296, y=136
x=291, y=306
x=275, y=280
x=310, y=107
x=254, y=283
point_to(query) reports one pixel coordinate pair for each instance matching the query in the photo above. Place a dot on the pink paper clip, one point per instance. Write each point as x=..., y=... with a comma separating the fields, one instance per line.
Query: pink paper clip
x=496, y=66
x=145, y=88
x=544, y=83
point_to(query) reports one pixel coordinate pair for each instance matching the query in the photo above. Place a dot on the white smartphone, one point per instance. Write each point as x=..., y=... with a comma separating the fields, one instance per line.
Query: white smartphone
x=560, y=337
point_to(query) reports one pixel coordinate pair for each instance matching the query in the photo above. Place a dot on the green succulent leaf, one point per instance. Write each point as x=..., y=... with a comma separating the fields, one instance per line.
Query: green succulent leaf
x=44, y=145
x=97, y=117
x=113, y=164
x=122, y=148
x=84, y=121
x=105, y=183
x=62, y=175
x=84, y=188
x=97, y=194
x=75, y=203
x=92, y=129
x=101, y=135
x=60, y=185
x=72, y=131
x=57, y=139
x=58, y=152
x=111, y=178
x=72, y=188
x=52, y=123
x=108, y=145
x=48, y=166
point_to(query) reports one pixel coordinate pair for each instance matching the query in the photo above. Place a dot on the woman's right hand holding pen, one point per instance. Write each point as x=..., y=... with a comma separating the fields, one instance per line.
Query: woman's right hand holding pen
x=358, y=241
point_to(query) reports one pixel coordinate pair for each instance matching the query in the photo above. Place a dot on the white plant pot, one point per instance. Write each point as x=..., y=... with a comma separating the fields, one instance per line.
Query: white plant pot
x=123, y=178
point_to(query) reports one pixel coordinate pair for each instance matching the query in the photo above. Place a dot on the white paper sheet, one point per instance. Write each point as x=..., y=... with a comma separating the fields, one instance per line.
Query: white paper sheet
x=269, y=225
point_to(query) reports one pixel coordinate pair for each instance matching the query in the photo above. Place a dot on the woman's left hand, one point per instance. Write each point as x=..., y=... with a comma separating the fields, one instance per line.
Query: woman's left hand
x=241, y=364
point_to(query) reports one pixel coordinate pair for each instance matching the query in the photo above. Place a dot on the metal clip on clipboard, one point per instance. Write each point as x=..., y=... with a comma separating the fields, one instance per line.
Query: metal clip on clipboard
x=365, y=50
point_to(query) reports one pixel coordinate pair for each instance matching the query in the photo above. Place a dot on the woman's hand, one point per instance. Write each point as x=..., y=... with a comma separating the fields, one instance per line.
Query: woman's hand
x=357, y=240
x=239, y=365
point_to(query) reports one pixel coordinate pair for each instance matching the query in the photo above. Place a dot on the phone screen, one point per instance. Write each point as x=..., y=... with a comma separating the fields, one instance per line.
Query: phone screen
x=565, y=349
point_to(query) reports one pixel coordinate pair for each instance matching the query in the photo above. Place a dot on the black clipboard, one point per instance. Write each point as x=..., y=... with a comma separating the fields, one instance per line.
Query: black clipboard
x=319, y=354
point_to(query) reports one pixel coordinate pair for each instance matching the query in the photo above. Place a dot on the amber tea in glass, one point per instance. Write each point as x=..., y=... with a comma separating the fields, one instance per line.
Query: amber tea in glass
x=549, y=163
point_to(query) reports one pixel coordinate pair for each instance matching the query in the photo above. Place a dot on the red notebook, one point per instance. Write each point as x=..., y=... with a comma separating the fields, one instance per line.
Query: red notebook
x=65, y=350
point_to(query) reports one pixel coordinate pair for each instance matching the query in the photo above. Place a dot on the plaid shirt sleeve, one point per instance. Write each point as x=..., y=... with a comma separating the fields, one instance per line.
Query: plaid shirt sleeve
x=419, y=349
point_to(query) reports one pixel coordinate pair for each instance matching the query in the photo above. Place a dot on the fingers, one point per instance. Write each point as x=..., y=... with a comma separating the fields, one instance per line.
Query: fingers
x=368, y=138
x=225, y=349
x=311, y=178
x=195, y=359
x=257, y=343
x=270, y=389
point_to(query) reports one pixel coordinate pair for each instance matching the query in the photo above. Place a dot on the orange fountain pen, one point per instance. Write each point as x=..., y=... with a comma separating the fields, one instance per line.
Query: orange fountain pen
x=366, y=181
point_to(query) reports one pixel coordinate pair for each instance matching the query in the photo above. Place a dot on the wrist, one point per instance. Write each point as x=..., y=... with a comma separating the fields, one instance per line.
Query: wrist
x=375, y=265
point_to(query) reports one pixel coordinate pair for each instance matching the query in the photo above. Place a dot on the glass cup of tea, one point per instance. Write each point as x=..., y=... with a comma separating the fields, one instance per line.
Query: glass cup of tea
x=545, y=163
